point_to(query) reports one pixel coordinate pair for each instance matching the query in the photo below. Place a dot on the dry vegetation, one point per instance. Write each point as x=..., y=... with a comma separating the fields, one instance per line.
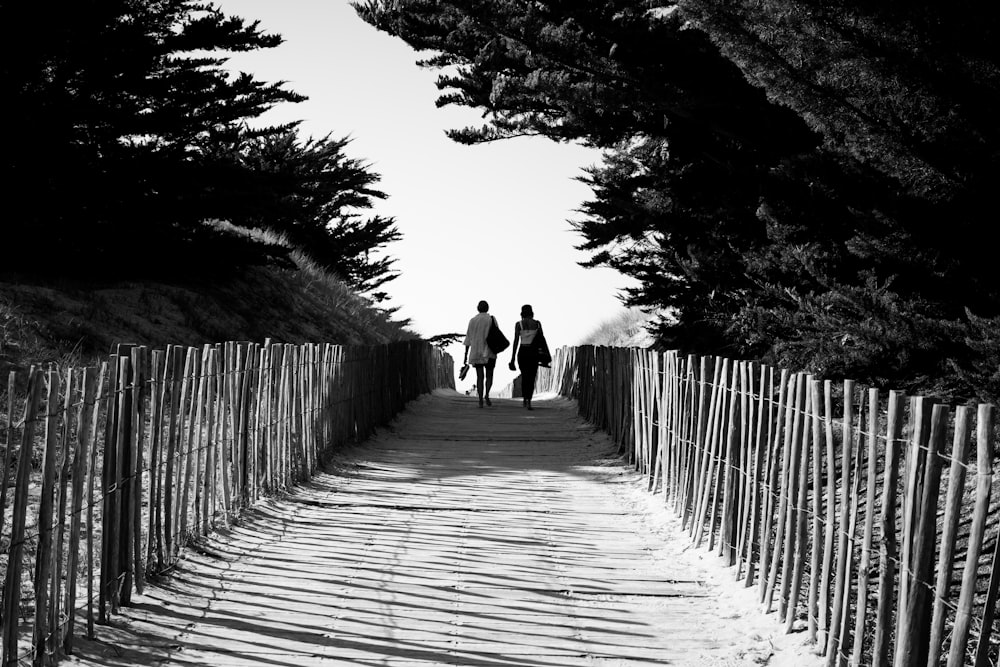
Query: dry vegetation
x=75, y=322
x=627, y=329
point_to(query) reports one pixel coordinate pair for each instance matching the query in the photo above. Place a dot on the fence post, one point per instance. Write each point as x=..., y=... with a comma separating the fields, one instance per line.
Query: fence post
x=984, y=480
x=43, y=556
x=887, y=523
x=863, y=574
x=81, y=471
x=911, y=644
x=833, y=646
x=12, y=581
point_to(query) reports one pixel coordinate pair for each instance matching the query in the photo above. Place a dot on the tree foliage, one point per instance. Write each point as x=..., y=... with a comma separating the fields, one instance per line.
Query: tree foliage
x=791, y=182
x=312, y=193
x=129, y=134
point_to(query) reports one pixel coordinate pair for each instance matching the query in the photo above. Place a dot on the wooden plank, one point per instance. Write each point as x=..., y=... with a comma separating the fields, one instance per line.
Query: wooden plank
x=781, y=518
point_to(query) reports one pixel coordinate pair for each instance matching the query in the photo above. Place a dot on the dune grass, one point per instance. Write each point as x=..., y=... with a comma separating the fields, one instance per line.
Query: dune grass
x=627, y=329
x=75, y=321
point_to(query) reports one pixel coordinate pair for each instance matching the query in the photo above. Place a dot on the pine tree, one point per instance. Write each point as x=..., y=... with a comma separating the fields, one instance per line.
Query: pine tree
x=776, y=173
x=313, y=193
x=113, y=102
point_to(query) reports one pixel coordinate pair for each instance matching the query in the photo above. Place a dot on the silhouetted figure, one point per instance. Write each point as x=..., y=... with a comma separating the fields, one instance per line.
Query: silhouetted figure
x=524, y=349
x=478, y=353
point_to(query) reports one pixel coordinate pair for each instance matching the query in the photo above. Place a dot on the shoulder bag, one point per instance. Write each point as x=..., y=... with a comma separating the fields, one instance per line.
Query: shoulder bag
x=495, y=339
x=542, y=349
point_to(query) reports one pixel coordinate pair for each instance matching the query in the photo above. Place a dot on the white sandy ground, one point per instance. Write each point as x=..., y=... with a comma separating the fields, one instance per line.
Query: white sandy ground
x=764, y=640
x=767, y=643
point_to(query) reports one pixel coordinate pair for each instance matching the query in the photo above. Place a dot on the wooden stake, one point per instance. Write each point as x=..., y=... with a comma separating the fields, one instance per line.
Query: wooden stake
x=887, y=522
x=81, y=473
x=815, y=556
x=984, y=482
x=15, y=551
x=43, y=556
x=8, y=448
x=66, y=455
x=911, y=643
x=801, y=512
x=771, y=492
x=833, y=647
x=831, y=521
x=860, y=625
x=792, y=486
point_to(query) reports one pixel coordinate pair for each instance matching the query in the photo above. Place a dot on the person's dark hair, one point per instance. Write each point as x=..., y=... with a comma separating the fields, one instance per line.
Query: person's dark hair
x=483, y=307
x=526, y=311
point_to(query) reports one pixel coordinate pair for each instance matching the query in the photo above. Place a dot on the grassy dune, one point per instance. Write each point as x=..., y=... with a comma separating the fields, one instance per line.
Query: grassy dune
x=72, y=322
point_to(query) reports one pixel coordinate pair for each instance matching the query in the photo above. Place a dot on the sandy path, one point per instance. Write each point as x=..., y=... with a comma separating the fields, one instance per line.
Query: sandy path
x=460, y=536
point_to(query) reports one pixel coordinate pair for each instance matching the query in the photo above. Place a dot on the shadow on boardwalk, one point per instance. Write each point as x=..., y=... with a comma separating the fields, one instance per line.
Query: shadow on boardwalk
x=459, y=536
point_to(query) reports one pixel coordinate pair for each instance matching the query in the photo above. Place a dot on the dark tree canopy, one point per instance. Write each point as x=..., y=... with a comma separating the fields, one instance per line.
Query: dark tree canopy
x=312, y=193
x=791, y=182
x=128, y=134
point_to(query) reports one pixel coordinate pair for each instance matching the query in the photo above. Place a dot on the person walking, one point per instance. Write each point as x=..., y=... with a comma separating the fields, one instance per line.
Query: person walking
x=526, y=332
x=479, y=354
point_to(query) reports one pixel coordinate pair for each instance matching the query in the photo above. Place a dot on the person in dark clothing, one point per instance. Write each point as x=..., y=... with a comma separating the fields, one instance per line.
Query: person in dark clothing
x=526, y=330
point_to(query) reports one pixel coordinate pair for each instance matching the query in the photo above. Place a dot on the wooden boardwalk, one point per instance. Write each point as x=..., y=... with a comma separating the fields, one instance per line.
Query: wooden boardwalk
x=460, y=536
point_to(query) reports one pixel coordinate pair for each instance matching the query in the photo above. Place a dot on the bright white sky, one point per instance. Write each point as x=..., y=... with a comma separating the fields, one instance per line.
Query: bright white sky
x=478, y=222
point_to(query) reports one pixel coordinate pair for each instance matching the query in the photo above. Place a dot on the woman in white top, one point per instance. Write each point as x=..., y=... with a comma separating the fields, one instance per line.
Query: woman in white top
x=525, y=351
x=479, y=354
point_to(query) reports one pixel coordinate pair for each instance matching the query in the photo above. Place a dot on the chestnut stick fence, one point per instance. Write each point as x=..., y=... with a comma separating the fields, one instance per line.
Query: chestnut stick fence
x=867, y=519
x=118, y=467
